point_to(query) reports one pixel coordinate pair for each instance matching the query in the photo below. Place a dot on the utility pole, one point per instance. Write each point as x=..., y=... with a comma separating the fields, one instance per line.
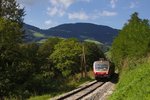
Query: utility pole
x=82, y=65
x=84, y=61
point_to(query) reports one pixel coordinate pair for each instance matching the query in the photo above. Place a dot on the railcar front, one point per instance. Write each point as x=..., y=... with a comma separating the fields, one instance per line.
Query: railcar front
x=101, y=69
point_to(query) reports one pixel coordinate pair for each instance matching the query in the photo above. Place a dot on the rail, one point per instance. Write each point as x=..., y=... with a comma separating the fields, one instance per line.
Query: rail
x=80, y=92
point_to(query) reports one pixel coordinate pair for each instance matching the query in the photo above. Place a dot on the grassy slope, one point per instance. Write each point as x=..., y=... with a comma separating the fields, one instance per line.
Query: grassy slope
x=38, y=35
x=94, y=41
x=134, y=84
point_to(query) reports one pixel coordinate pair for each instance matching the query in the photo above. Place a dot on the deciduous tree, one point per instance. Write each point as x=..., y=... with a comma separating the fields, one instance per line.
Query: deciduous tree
x=133, y=40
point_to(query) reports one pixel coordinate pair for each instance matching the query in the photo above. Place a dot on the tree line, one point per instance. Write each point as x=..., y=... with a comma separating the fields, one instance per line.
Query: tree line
x=31, y=68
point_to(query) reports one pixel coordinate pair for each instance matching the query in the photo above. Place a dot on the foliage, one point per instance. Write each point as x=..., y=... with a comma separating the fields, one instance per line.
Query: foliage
x=92, y=53
x=133, y=41
x=41, y=41
x=11, y=18
x=33, y=69
x=10, y=35
x=129, y=52
x=61, y=87
x=100, y=45
x=47, y=47
x=134, y=84
x=66, y=56
x=45, y=72
x=10, y=10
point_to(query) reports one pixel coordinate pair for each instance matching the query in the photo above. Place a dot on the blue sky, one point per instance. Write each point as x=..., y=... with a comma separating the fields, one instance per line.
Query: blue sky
x=114, y=13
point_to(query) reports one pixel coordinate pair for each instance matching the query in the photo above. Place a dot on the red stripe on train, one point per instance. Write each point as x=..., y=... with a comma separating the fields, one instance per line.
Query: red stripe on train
x=100, y=73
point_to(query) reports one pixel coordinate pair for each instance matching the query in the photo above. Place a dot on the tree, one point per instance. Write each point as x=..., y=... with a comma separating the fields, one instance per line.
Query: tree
x=92, y=53
x=66, y=57
x=10, y=10
x=11, y=20
x=133, y=40
x=47, y=48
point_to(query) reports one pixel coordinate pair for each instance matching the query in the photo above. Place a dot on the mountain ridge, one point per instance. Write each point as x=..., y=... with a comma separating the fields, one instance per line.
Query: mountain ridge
x=82, y=31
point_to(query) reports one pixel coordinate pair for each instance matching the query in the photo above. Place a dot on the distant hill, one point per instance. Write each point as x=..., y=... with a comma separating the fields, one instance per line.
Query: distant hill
x=82, y=31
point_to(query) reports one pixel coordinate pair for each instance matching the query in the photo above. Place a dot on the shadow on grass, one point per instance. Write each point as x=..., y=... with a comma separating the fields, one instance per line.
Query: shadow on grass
x=115, y=78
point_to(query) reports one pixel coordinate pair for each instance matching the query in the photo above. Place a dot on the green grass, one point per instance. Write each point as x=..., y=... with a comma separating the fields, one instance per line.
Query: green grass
x=134, y=84
x=36, y=34
x=94, y=41
x=43, y=97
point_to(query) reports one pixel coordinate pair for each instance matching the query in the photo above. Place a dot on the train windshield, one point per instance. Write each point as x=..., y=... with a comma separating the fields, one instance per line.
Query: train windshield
x=101, y=67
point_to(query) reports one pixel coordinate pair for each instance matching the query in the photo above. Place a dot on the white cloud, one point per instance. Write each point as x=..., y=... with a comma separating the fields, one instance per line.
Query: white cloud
x=55, y=11
x=78, y=15
x=59, y=7
x=95, y=15
x=113, y=3
x=86, y=0
x=62, y=3
x=107, y=13
x=49, y=23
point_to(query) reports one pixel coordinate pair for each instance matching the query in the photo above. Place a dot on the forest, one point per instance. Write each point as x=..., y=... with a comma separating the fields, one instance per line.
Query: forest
x=28, y=69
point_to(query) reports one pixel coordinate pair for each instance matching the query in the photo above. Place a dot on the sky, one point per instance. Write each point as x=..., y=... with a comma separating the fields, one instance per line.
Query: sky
x=45, y=14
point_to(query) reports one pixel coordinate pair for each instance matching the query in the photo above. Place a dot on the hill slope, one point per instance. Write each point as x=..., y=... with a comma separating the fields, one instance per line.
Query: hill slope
x=81, y=31
x=134, y=84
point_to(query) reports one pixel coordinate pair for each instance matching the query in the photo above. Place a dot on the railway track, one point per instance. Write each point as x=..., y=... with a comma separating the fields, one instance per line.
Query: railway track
x=81, y=92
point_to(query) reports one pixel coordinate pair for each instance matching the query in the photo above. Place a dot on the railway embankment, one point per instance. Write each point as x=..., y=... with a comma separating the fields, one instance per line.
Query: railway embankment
x=133, y=84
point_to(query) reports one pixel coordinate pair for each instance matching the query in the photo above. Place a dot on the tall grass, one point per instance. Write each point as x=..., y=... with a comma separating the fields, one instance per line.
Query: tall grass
x=134, y=84
x=65, y=86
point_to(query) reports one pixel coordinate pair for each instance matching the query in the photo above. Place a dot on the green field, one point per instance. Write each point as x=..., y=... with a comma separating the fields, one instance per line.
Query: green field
x=94, y=41
x=36, y=34
x=134, y=84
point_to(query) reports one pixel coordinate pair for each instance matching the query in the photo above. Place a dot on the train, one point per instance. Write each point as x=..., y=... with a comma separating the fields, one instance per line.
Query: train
x=103, y=69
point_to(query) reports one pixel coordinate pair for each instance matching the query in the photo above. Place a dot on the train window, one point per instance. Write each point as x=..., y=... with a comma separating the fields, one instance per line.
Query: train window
x=102, y=67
